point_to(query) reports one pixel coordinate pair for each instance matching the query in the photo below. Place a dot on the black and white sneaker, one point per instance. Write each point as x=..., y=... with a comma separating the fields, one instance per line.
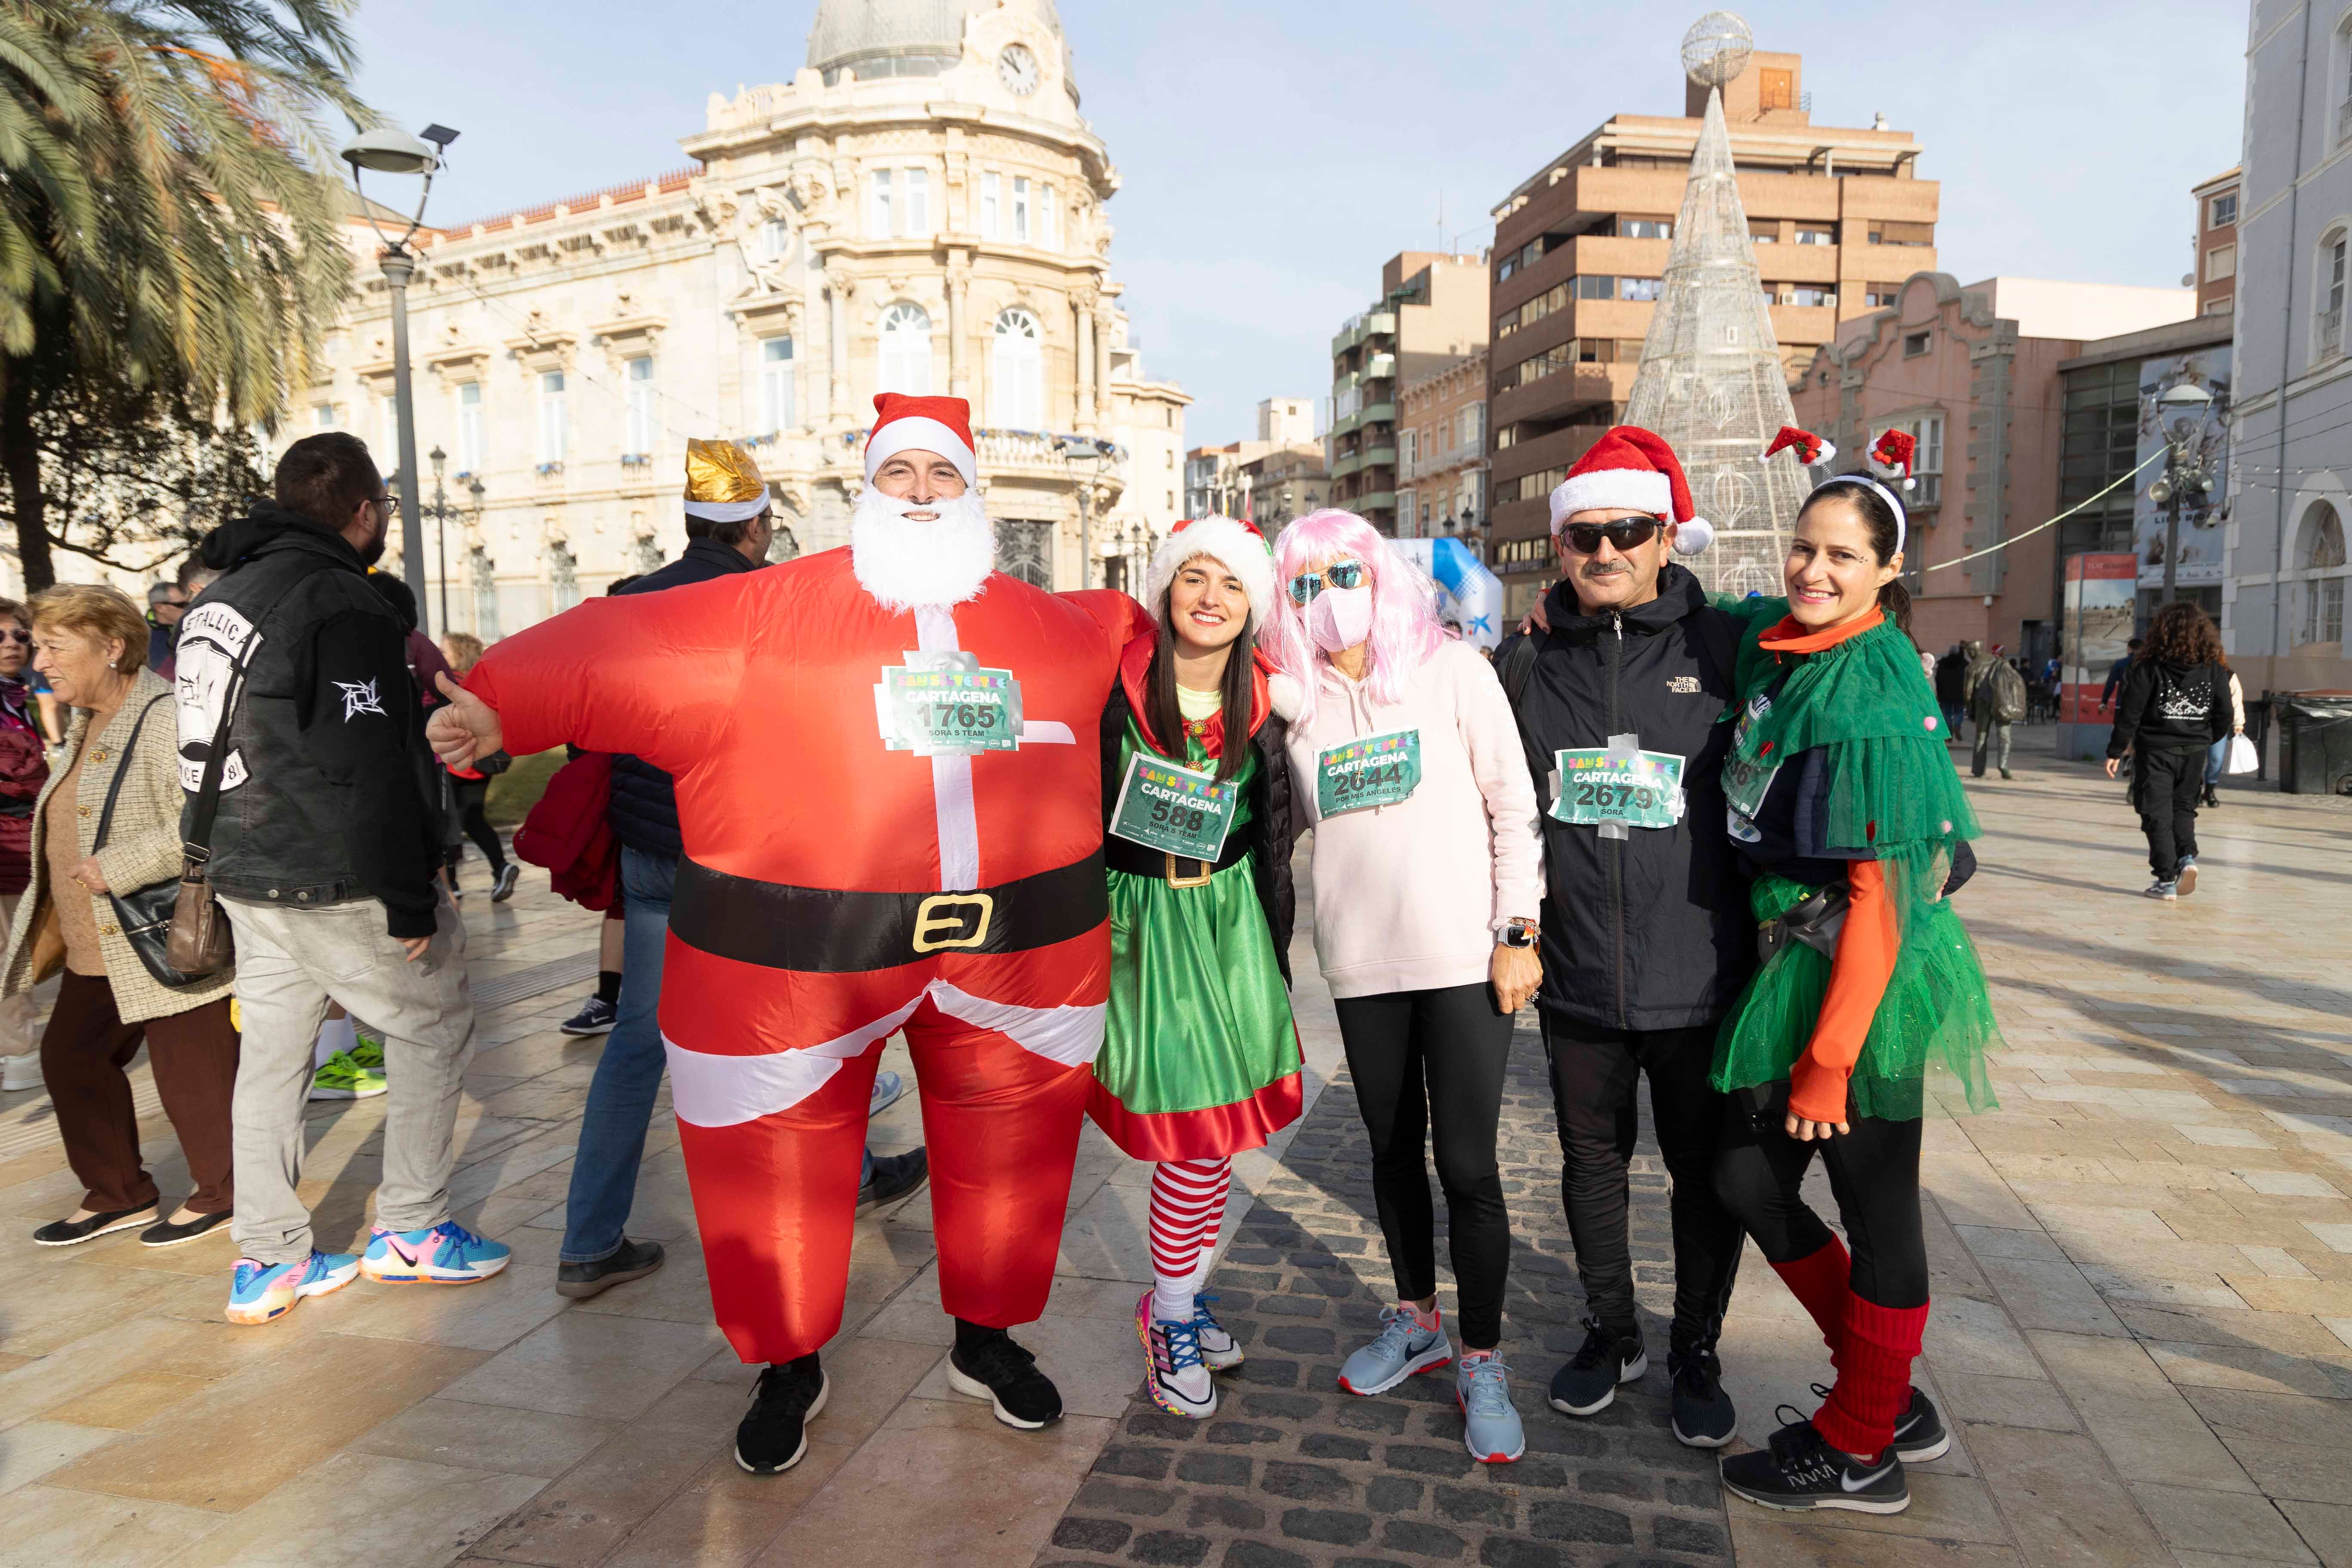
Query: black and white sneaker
x=596, y=1016
x=1705, y=1416
x=1920, y=1434
x=1799, y=1471
x=773, y=1435
x=503, y=888
x=1005, y=1376
x=1589, y=1382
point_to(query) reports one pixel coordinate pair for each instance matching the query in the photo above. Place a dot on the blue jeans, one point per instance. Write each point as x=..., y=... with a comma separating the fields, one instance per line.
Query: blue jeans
x=628, y=1075
x=2217, y=757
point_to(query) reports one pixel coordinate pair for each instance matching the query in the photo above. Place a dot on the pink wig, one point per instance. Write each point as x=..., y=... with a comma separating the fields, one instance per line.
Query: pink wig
x=1404, y=606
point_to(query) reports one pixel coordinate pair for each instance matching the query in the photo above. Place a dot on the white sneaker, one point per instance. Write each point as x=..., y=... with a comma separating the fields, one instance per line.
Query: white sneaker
x=20, y=1073
x=1179, y=1384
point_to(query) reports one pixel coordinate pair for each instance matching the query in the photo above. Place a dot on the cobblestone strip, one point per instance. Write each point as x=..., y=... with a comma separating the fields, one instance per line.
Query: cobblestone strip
x=1294, y=1473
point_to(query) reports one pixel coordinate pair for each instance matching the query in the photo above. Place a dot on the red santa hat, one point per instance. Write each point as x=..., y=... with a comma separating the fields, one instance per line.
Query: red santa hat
x=1811, y=450
x=1891, y=454
x=1633, y=470
x=904, y=424
x=1236, y=545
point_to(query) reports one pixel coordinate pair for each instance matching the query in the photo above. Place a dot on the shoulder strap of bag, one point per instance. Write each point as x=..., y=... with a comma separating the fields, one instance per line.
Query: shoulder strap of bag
x=122, y=767
x=197, y=846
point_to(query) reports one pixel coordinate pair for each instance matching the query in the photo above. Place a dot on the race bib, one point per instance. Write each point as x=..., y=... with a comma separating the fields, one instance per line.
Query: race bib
x=1171, y=809
x=1640, y=789
x=1746, y=780
x=1378, y=770
x=947, y=705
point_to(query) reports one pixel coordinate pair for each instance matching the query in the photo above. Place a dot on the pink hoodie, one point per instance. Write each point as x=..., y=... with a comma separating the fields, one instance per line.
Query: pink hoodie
x=1409, y=897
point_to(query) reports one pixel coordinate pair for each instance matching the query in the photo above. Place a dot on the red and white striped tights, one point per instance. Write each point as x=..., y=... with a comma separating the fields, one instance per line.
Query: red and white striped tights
x=1188, y=1201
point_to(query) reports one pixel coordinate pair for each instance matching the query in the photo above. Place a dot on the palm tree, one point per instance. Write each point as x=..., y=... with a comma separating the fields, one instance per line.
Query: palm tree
x=167, y=218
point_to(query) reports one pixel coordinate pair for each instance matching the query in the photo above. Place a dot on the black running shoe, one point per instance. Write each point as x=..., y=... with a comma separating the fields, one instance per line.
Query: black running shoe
x=1799, y=1470
x=1919, y=1432
x=596, y=1016
x=1589, y=1382
x=1005, y=1376
x=1704, y=1414
x=503, y=888
x=774, y=1434
x=630, y=1260
x=895, y=1176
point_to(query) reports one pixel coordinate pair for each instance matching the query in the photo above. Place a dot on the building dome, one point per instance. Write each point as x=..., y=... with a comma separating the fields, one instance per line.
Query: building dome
x=902, y=37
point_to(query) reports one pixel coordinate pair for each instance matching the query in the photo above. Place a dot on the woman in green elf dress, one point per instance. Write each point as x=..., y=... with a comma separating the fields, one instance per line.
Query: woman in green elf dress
x=1200, y=1057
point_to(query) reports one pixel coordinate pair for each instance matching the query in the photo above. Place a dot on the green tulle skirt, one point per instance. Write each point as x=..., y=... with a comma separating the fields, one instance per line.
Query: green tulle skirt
x=1932, y=1030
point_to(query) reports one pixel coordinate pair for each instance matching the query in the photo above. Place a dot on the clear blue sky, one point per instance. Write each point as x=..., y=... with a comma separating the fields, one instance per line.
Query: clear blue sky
x=1273, y=154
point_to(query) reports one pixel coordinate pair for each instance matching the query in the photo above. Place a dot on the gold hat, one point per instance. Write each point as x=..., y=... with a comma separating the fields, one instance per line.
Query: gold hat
x=723, y=472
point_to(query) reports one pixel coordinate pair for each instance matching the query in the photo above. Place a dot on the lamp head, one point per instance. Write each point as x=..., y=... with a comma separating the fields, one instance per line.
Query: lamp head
x=438, y=458
x=2184, y=396
x=387, y=150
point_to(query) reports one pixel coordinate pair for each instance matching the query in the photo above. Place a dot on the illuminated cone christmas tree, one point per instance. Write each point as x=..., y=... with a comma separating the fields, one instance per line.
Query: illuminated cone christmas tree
x=1711, y=381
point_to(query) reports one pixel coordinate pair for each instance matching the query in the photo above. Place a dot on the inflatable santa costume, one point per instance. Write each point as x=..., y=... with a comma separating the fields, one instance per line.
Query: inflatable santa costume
x=889, y=791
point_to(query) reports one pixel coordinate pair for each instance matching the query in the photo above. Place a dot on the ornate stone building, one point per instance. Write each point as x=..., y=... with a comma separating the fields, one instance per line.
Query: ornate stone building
x=920, y=208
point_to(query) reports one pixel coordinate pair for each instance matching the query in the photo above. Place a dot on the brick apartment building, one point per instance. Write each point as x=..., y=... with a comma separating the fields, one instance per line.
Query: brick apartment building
x=1431, y=313
x=1442, y=452
x=2216, y=255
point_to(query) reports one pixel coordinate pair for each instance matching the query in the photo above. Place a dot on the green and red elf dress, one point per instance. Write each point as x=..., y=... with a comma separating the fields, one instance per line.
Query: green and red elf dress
x=1200, y=1055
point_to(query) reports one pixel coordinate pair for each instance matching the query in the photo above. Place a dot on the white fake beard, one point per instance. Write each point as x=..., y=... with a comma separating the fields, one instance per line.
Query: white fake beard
x=906, y=564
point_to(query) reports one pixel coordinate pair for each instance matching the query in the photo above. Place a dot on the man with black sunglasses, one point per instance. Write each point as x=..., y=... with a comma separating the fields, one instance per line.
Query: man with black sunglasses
x=1645, y=939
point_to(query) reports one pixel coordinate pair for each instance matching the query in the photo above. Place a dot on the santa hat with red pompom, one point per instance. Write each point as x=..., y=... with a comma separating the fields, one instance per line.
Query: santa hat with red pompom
x=1811, y=450
x=904, y=424
x=1633, y=470
x=1891, y=454
x=1238, y=547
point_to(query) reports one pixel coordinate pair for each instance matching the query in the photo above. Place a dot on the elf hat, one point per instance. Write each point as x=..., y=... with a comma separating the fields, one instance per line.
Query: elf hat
x=1633, y=470
x=1811, y=450
x=904, y=424
x=1891, y=454
x=1235, y=545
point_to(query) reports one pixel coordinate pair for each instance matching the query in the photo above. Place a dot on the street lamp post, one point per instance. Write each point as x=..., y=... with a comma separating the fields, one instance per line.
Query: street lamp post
x=1097, y=455
x=393, y=151
x=2182, y=477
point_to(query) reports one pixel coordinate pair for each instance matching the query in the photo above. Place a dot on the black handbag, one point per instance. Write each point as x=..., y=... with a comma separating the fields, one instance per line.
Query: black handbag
x=144, y=915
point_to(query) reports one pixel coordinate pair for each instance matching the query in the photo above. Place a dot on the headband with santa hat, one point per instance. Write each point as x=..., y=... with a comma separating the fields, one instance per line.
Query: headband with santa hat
x=1236, y=545
x=1631, y=470
x=906, y=424
x=1889, y=457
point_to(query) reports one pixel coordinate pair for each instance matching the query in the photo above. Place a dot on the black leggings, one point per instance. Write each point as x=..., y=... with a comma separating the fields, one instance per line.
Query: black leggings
x=1435, y=1058
x=1595, y=1074
x=472, y=794
x=1874, y=1174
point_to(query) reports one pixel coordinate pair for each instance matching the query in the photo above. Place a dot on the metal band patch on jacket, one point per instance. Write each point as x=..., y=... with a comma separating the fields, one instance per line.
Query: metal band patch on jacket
x=826, y=931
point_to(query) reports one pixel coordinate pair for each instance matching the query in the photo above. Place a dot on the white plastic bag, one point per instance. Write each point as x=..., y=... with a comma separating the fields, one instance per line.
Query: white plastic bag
x=2242, y=758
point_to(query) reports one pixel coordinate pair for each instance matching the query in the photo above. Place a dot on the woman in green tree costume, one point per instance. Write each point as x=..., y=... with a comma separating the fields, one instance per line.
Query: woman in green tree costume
x=1843, y=799
x=1200, y=1057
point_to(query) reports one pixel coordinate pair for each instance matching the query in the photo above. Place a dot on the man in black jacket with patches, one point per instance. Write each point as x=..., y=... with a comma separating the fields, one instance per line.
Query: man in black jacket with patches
x=1645, y=936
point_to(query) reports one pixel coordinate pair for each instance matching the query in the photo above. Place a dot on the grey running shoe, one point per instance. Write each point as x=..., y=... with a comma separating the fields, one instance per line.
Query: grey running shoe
x=1403, y=1348
x=1490, y=1421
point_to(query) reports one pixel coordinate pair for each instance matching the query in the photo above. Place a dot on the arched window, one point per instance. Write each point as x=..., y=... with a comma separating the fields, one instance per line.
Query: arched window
x=1018, y=373
x=906, y=351
x=2327, y=295
x=2321, y=549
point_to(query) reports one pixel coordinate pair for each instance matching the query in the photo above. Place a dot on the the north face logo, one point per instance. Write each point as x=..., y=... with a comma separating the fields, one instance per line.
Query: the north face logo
x=1687, y=684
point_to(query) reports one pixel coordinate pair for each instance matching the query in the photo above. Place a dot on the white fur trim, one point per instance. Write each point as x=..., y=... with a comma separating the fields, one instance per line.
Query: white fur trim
x=1606, y=489
x=1244, y=552
x=729, y=511
x=1287, y=696
x=915, y=433
x=1692, y=535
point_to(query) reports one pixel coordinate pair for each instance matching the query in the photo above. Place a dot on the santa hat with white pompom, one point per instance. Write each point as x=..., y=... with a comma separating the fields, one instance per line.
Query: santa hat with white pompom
x=1633, y=470
x=1238, y=547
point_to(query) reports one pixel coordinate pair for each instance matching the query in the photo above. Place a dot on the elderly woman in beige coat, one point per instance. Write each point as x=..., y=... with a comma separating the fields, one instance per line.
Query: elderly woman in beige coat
x=91, y=644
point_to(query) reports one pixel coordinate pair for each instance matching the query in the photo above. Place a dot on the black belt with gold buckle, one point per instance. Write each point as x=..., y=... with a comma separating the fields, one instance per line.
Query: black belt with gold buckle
x=1176, y=870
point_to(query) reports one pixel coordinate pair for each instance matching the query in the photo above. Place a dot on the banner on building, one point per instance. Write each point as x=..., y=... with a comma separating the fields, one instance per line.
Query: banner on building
x=2205, y=436
x=2096, y=632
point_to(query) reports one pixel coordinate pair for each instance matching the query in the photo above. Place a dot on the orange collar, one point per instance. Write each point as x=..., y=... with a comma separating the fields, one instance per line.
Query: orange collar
x=1791, y=636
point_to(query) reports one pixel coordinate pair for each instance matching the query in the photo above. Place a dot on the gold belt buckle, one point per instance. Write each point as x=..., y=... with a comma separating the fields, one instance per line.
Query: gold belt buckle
x=1199, y=881
x=935, y=914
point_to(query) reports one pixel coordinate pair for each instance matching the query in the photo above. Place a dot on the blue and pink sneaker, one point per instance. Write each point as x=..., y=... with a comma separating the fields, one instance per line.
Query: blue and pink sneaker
x=448, y=1254
x=261, y=1292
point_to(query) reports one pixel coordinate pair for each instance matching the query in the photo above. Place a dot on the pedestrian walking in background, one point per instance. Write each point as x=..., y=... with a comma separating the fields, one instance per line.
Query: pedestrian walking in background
x=167, y=603
x=1995, y=699
x=469, y=788
x=297, y=714
x=1952, y=690
x=2117, y=671
x=1200, y=1059
x=1646, y=936
x=1857, y=827
x=1427, y=899
x=2174, y=708
x=109, y=822
x=2217, y=755
x=23, y=768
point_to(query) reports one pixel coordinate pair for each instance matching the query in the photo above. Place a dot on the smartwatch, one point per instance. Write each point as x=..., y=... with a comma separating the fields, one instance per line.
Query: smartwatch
x=1519, y=932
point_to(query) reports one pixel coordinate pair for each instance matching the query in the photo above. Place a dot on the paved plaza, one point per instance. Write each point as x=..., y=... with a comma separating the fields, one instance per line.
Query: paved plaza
x=2142, y=1325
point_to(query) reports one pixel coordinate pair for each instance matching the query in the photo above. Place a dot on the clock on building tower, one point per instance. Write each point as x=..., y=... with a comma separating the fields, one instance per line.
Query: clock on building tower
x=1018, y=67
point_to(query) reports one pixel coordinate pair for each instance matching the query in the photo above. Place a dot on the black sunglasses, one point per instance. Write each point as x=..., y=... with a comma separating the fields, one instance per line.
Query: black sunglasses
x=12, y=635
x=1626, y=533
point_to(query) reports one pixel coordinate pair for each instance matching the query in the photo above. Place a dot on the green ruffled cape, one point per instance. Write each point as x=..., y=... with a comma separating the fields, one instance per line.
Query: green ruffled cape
x=1894, y=792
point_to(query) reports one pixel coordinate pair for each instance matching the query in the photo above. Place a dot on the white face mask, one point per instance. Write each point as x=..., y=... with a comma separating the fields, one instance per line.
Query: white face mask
x=1340, y=618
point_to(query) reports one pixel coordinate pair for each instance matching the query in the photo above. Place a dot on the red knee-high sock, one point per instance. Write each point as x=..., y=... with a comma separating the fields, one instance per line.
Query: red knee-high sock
x=1873, y=1381
x=1820, y=1281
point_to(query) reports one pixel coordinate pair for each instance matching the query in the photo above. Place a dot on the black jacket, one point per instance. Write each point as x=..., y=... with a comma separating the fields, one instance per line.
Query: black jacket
x=2171, y=707
x=1652, y=931
x=321, y=801
x=1274, y=825
x=644, y=809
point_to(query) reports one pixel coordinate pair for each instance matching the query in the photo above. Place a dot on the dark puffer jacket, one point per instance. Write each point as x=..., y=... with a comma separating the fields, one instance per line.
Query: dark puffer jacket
x=643, y=807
